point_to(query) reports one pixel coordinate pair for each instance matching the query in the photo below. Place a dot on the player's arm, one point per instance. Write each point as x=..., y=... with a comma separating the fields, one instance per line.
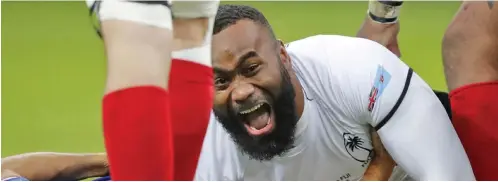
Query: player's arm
x=381, y=166
x=50, y=166
x=409, y=118
x=381, y=25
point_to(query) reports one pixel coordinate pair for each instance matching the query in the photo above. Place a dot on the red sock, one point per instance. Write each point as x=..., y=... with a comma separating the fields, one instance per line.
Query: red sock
x=191, y=87
x=475, y=118
x=137, y=134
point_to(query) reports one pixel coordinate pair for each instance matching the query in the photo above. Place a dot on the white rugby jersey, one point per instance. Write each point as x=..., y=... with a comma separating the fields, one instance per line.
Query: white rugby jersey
x=350, y=85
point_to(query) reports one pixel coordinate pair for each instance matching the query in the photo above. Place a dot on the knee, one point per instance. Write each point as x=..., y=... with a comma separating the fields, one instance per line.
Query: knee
x=453, y=36
x=451, y=49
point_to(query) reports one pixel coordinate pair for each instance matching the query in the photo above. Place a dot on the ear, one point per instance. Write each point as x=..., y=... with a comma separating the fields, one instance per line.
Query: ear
x=284, y=57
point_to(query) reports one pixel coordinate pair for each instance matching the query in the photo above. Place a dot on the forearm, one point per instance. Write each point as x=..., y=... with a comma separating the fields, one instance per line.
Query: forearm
x=378, y=170
x=46, y=166
x=382, y=165
x=381, y=25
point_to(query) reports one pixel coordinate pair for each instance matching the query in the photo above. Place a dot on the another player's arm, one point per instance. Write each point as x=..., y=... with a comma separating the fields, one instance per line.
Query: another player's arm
x=408, y=117
x=381, y=166
x=50, y=166
x=381, y=25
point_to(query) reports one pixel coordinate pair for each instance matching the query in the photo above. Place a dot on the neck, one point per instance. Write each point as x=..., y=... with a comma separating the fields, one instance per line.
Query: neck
x=299, y=99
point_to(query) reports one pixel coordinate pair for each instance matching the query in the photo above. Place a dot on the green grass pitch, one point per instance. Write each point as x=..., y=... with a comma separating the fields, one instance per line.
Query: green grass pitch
x=53, y=65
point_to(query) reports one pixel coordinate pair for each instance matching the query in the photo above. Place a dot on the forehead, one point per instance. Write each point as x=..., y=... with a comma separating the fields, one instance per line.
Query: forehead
x=238, y=39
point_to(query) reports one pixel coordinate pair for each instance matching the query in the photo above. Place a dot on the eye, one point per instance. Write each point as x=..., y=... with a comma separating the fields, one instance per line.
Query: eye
x=220, y=83
x=251, y=69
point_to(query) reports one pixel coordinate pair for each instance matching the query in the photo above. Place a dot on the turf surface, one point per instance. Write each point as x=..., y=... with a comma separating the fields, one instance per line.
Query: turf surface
x=53, y=64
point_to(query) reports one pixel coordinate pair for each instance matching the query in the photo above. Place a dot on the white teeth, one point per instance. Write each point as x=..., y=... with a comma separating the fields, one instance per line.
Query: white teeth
x=251, y=109
x=253, y=128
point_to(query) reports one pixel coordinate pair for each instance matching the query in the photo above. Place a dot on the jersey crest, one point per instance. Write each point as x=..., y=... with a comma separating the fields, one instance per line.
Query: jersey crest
x=355, y=147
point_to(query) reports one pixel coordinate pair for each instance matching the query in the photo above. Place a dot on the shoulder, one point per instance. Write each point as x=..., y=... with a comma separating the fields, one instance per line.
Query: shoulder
x=335, y=55
x=338, y=44
x=330, y=57
x=341, y=70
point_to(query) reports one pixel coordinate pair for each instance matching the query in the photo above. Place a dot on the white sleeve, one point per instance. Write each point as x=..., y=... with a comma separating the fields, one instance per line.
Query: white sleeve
x=218, y=160
x=418, y=134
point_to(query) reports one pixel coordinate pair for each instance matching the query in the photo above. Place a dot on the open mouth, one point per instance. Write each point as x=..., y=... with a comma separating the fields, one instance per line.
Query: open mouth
x=257, y=119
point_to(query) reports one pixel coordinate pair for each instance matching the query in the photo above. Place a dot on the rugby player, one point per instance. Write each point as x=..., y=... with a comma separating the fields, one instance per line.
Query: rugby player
x=470, y=56
x=302, y=111
x=138, y=123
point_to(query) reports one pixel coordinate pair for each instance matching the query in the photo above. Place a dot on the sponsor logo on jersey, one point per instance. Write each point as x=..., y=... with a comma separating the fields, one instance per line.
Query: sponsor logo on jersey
x=381, y=80
x=354, y=145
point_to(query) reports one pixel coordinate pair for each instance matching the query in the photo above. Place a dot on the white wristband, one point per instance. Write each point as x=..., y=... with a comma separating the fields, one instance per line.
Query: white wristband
x=383, y=13
x=150, y=14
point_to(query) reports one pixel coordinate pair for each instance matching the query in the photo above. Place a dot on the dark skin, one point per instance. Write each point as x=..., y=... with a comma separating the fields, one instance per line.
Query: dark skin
x=238, y=41
x=385, y=34
x=252, y=67
x=245, y=67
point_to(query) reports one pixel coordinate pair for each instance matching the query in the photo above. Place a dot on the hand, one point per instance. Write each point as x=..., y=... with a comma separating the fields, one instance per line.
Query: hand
x=382, y=165
x=385, y=34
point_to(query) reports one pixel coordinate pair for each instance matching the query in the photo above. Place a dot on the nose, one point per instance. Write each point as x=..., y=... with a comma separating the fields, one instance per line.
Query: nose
x=242, y=92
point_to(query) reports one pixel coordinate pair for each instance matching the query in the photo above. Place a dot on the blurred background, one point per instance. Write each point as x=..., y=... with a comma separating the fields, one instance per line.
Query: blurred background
x=53, y=64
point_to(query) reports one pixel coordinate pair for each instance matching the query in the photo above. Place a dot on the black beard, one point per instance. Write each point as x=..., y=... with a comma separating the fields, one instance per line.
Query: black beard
x=280, y=140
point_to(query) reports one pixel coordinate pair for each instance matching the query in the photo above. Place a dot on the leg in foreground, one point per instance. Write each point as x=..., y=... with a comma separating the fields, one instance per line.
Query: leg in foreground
x=470, y=55
x=191, y=82
x=137, y=130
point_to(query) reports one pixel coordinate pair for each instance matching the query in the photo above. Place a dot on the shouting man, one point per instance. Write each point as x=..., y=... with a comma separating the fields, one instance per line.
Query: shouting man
x=303, y=111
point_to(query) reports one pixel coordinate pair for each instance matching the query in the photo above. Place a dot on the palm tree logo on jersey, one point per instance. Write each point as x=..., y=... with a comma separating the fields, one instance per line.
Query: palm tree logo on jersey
x=354, y=147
